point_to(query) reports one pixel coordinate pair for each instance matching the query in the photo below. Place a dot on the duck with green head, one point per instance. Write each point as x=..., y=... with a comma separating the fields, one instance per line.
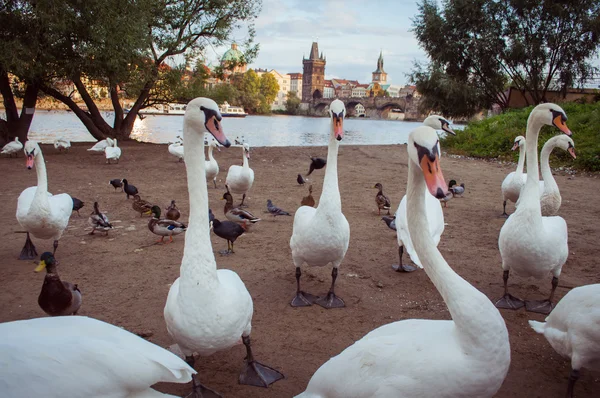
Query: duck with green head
x=57, y=298
x=164, y=227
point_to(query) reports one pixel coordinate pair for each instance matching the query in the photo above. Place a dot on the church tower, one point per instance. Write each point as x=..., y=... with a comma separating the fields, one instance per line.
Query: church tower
x=379, y=76
x=313, y=76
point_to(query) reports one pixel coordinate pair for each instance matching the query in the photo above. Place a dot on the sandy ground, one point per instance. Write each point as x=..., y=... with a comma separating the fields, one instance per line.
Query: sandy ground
x=125, y=279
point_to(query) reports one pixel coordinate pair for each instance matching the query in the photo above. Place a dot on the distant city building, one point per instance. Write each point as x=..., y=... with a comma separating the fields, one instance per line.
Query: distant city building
x=360, y=91
x=284, y=87
x=233, y=56
x=313, y=75
x=296, y=83
x=328, y=91
x=379, y=76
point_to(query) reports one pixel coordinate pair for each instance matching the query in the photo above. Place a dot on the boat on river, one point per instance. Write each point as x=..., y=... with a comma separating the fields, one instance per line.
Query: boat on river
x=162, y=109
x=231, y=111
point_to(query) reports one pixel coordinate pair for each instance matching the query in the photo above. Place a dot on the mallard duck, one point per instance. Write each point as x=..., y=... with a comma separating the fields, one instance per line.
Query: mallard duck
x=141, y=206
x=316, y=164
x=116, y=183
x=229, y=231
x=383, y=202
x=173, y=212
x=57, y=297
x=164, y=227
x=99, y=221
x=208, y=309
x=40, y=213
x=457, y=190
x=77, y=205
x=236, y=214
x=446, y=199
x=321, y=236
x=308, y=200
x=12, y=147
x=77, y=356
x=274, y=210
x=129, y=189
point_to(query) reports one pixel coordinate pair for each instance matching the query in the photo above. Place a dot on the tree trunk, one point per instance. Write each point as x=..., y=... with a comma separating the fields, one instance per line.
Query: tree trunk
x=18, y=125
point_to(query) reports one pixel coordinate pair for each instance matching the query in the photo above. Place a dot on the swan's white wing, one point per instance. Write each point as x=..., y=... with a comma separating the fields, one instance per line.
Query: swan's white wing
x=24, y=202
x=302, y=218
x=99, y=146
x=80, y=356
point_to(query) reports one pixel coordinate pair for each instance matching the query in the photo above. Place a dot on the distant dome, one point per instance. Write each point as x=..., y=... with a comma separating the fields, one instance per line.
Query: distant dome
x=233, y=54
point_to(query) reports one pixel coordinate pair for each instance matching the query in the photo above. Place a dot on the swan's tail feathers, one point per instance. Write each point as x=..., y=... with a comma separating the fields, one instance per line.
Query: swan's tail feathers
x=539, y=327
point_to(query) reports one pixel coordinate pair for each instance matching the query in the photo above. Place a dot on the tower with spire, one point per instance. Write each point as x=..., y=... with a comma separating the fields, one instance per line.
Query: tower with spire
x=379, y=76
x=313, y=76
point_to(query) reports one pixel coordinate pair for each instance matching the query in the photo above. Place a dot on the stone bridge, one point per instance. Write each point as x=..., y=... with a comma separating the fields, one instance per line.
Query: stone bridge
x=375, y=107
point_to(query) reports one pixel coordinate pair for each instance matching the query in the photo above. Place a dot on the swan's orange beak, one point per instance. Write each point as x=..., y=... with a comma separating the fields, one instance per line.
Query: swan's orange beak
x=216, y=129
x=338, y=127
x=433, y=176
x=559, y=122
x=571, y=151
x=515, y=147
x=29, y=162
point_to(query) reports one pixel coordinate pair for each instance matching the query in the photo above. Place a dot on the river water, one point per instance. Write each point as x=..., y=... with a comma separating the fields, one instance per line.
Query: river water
x=258, y=131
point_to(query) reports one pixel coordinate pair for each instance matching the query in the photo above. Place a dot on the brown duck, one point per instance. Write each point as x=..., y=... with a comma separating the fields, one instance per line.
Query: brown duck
x=173, y=212
x=141, y=206
x=236, y=214
x=308, y=200
x=57, y=298
x=383, y=202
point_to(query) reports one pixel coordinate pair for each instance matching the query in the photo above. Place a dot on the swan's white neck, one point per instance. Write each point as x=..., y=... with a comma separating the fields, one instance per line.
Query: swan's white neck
x=330, y=197
x=41, y=193
x=245, y=159
x=476, y=319
x=210, y=153
x=530, y=194
x=521, y=163
x=198, y=267
x=549, y=181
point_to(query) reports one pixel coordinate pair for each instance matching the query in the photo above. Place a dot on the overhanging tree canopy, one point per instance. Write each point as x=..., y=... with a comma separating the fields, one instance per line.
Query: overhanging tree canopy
x=534, y=45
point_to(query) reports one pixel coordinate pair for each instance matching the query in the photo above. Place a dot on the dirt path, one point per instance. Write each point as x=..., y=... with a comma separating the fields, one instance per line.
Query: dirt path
x=125, y=282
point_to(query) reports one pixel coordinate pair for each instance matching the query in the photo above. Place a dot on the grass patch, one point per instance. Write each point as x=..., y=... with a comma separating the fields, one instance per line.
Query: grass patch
x=494, y=136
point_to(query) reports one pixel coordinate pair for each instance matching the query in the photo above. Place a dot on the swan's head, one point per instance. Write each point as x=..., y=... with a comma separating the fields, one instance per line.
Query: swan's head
x=423, y=151
x=47, y=262
x=565, y=143
x=551, y=115
x=32, y=149
x=202, y=115
x=437, y=122
x=337, y=111
x=246, y=150
x=518, y=143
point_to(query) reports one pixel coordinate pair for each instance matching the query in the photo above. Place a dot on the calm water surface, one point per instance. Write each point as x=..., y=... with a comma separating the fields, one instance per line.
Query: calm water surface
x=258, y=131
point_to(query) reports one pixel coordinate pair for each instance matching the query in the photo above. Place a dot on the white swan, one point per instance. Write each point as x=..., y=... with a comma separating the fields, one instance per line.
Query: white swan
x=320, y=236
x=240, y=178
x=211, y=165
x=467, y=356
x=208, y=310
x=112, y=152
x=572, y=330
x=100, y=145
x=515, y=180
x=176, y=149
x=39, y=212
x=12, y=147
x=435, y=214
x=532, y=245
x=78, y=356
x=550, y=198
x=61, y=143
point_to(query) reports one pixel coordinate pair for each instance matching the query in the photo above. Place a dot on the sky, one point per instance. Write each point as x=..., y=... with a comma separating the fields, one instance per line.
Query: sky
x=350, y=33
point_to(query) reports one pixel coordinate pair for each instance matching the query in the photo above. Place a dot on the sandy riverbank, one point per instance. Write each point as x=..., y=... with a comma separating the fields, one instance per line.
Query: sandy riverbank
x=125, y=279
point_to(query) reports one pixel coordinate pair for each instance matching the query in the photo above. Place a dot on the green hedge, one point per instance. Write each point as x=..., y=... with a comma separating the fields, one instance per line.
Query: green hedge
x=494, y=136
